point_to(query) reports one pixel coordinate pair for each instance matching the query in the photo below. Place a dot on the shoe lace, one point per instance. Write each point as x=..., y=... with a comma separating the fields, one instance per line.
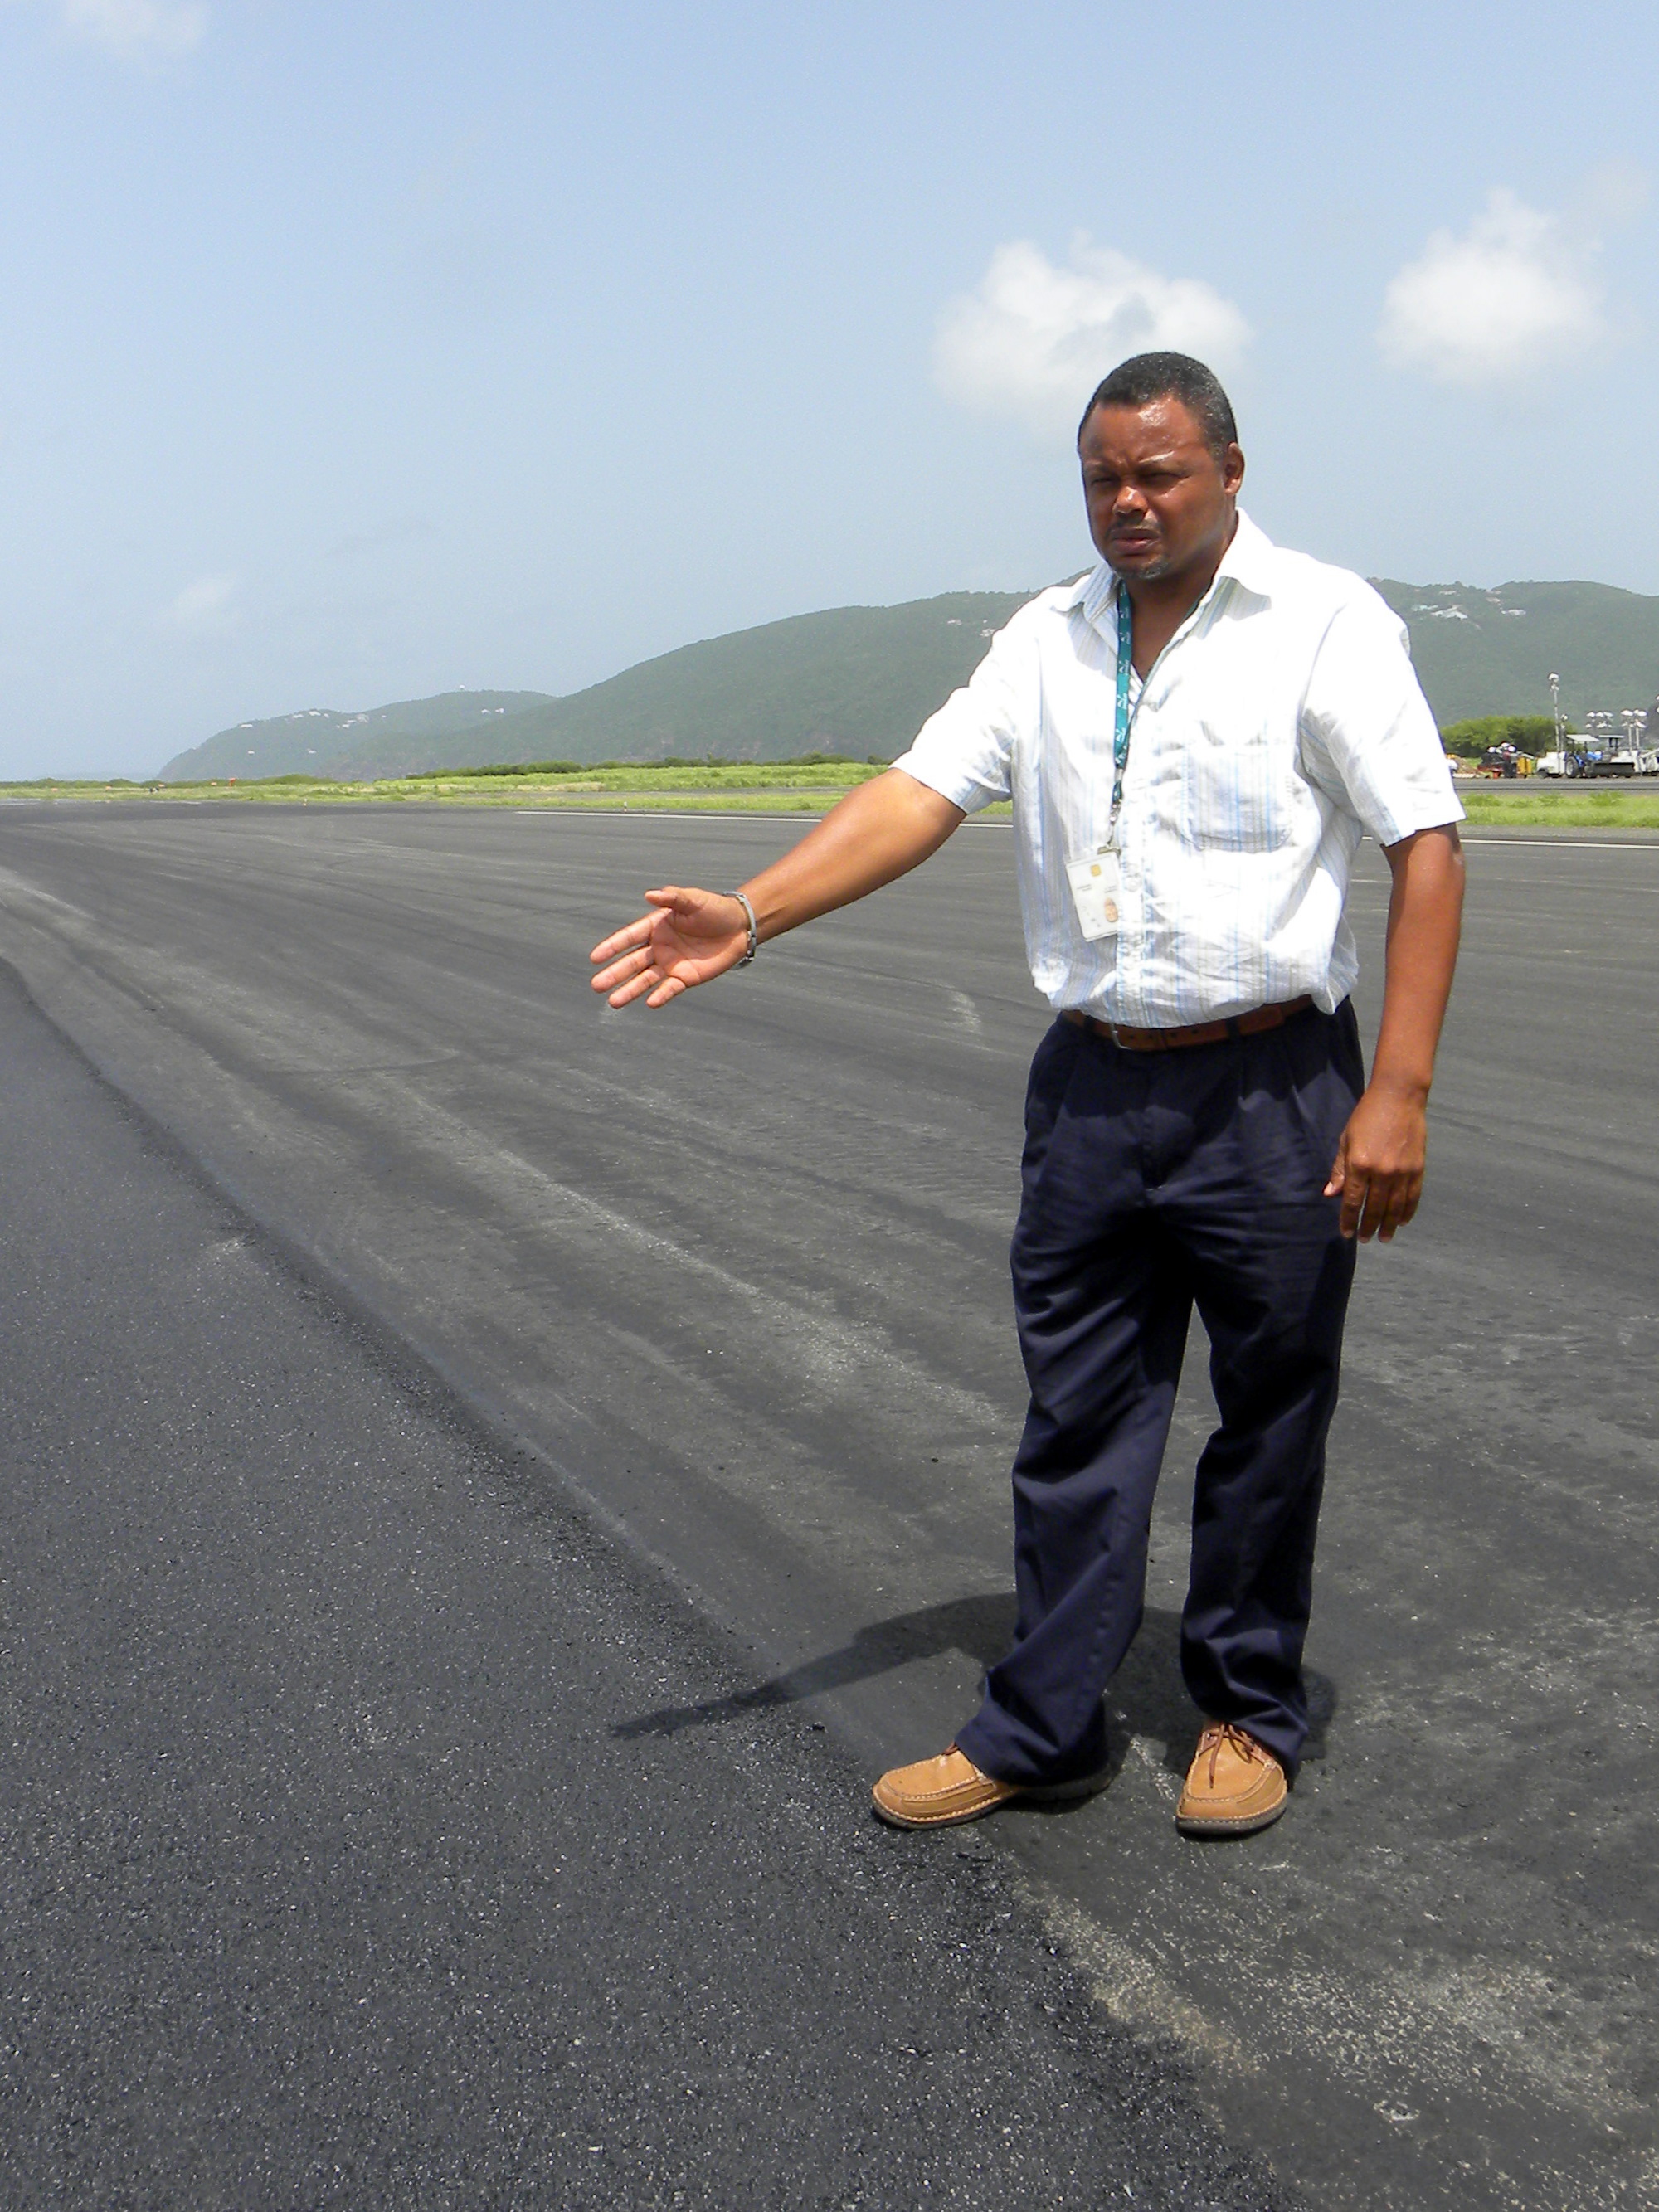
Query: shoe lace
x=1217, y=1735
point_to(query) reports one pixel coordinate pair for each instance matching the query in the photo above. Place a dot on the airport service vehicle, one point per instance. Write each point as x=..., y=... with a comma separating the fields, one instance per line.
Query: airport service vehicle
x=1618, y=764
x=1505, y=761
x=1585, y=758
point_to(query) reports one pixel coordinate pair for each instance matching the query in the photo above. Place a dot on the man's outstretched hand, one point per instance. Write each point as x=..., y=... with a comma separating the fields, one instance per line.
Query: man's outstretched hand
x=692, y=938
x=877, y=832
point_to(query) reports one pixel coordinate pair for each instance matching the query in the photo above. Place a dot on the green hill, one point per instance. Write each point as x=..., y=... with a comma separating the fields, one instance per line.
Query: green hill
x=1491, y=652
x=857, y=680
x=319, y=740
x=861, y=680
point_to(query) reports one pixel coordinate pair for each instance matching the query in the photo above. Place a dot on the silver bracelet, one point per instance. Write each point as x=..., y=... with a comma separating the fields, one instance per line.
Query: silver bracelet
x=754, y=928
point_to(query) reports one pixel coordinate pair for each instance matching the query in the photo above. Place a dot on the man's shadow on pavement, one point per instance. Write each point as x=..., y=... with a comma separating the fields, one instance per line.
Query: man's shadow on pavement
x=1146, y=1697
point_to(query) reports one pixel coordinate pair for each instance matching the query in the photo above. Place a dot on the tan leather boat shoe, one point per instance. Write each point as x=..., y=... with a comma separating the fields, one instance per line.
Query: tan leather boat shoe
x=1234, y=1784
x=935, y=1793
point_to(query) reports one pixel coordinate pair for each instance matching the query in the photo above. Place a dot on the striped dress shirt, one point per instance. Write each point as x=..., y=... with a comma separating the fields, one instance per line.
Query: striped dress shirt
x=1282, y=721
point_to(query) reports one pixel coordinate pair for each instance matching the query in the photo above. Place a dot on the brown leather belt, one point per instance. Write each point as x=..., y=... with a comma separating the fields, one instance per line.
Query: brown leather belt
x=1235, y=1025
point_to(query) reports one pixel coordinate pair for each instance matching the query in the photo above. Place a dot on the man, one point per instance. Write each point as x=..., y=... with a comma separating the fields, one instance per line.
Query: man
x=1194, y=735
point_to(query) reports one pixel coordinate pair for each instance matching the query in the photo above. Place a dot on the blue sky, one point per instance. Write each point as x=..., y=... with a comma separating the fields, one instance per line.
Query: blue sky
x=355, y=352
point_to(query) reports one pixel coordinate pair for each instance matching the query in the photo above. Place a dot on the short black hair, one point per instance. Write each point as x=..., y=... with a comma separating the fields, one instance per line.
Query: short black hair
x=1148, y=376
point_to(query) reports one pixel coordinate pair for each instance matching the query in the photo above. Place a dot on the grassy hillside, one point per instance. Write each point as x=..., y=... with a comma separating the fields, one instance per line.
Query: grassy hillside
x=860, y=681
x=1490, y=653
x=856, y=680
x=318, y=739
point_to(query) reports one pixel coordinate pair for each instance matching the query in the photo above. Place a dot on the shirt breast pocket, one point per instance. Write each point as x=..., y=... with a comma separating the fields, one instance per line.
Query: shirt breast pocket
x=1236, y=784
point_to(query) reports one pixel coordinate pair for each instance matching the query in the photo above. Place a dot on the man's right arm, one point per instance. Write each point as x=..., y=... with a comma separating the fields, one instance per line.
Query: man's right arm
x=876, y=834
x=961, y=760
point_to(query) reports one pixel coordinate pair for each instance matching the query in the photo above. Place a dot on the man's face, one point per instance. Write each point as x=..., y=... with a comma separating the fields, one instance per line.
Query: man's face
x=1159, y=502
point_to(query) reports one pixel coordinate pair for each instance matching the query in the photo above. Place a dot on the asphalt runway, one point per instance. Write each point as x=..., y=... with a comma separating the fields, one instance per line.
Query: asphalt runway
x=333, y=1876
x=730, y=1279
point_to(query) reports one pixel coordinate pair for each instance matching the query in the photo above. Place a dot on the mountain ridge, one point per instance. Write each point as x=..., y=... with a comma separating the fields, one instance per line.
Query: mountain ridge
x=1482, y=650
x=861, y=680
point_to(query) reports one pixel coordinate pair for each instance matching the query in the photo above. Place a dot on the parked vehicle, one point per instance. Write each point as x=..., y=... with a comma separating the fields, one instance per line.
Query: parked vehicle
x=1621, y=763
x=1581, y=757
x=1597, y=753
x=1505, y=761
x=1607, y=765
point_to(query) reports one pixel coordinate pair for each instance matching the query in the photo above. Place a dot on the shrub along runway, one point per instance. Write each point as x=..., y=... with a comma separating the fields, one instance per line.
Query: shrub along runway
x=732, y=1279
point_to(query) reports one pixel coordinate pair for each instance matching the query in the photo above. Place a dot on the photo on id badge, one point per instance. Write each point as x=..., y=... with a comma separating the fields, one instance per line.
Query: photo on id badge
x=1093, y=882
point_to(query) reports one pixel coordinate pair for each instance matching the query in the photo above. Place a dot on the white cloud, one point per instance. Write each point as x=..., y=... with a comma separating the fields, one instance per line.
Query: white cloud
x=139, y=26
x=1516, y=291
x=1034, y=340
x=204, y=608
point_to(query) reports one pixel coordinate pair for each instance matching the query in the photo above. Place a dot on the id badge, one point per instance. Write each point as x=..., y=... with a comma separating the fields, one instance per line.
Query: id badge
x=1094, y=883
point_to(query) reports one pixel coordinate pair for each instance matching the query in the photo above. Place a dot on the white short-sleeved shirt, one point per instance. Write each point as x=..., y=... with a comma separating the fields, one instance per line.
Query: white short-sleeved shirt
x=1282, y=720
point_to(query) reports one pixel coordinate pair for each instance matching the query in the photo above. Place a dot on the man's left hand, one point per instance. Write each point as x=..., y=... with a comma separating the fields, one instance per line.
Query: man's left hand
x=1379, y=1163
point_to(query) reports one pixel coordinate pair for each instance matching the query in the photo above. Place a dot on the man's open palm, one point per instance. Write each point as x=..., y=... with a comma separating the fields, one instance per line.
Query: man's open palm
x=690, y=940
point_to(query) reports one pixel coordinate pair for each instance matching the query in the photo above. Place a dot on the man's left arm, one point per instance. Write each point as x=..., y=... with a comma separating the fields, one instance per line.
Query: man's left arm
x=1380, y=1160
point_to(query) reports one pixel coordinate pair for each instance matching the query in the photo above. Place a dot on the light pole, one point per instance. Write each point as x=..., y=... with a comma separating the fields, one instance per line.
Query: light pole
x=1560, y=727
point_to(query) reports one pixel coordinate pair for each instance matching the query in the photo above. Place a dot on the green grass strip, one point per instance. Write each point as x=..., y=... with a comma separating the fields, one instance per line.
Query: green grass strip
x=1565, y=809
x=751, y=787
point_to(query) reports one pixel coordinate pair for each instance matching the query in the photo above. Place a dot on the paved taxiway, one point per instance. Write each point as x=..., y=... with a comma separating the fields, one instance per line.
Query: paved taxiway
x=733, y=1277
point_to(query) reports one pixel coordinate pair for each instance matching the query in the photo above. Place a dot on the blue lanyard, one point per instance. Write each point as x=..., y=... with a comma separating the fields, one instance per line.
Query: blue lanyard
x=1120, y=726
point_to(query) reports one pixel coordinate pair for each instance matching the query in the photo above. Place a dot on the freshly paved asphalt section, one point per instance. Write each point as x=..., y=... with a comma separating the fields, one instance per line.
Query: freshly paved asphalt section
x=329, y=1877
x=731, y=1281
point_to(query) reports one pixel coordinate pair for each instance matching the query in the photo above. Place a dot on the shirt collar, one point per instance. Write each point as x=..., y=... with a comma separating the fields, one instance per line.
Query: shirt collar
x=1248, y=559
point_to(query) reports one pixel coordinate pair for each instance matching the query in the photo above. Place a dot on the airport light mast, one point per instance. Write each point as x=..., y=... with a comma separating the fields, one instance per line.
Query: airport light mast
x=1560, y=725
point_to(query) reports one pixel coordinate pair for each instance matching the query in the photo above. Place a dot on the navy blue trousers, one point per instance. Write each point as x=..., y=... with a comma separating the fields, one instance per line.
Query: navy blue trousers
x=1154, y=1181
